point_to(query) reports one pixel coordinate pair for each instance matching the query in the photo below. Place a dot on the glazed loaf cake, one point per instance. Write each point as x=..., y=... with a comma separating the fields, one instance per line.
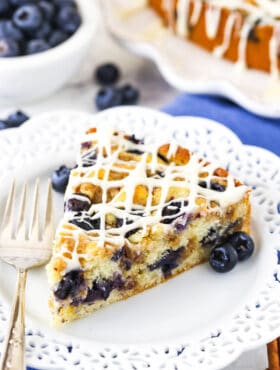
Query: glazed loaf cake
x=246, y=32
x=136, y=215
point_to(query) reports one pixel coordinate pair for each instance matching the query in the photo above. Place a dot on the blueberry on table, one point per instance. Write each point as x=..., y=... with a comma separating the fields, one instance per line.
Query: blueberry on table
x=47, y=8
x=57, y=37
x=130, y=95
x=4, y=7
x=223, y=258
x=108, y=97
x=17, y=118
x=107, y=74
x=60, y=179
x=9, y=48
x=243, y=244
x=36, y=46
x=68, y=19
x=28, y=17
x=9, y=30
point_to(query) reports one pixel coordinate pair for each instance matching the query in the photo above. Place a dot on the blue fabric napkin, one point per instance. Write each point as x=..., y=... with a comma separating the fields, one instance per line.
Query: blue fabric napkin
x=251, y=129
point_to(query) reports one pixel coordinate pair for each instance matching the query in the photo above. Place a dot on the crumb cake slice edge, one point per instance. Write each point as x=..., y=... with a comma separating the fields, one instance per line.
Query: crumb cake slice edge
x=136, y=216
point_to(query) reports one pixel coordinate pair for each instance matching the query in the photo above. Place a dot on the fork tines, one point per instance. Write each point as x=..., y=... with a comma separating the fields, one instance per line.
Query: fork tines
x=19, y=232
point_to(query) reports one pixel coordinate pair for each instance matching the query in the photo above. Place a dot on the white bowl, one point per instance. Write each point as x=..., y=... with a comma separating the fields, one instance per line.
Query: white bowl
x=27, y=78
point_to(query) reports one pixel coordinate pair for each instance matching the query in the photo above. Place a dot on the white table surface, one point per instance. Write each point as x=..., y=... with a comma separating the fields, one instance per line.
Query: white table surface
x=155, y=93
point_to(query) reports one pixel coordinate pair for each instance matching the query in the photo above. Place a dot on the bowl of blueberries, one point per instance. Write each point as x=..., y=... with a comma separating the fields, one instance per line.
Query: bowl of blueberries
x=42, y=45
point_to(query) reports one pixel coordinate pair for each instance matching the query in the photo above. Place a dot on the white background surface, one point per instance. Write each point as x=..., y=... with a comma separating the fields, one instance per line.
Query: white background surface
x=155, y=93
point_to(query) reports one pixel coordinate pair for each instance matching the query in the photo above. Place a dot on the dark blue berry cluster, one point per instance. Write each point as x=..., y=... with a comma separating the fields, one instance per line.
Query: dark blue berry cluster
x=13, y=120
x=111, y=95
x=33, y=26
x=239, y=247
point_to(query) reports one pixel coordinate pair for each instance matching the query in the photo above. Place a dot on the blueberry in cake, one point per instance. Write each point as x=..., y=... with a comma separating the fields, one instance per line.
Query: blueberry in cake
x=137, y=215
x=243, y=31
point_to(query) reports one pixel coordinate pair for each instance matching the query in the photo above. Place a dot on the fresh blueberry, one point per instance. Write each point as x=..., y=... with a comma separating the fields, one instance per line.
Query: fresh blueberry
x=17, y=3
x=47, y=9
x=68, y=19
x=86, y=223
x=130, y=95
x=3, y=125
x=28, y=17
x=223, y=258
x=17, y=118
x=9, y=48
x=108, y=97
x=77, y=203
x=60, y=179
x=217, y=187
x=57, y=37
x=36, y=46
x=70, y=284
x=9, y=30
x=4, y=7
x=107, y=74
x=243, y=244
x=43, y=32
x=63, y=3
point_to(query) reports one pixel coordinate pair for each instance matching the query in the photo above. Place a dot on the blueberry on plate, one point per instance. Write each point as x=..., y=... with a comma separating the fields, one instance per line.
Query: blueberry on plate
x=60, y=179
x=223, y=258
x=28, y=17
x=108, y=97
x=68, y=19
x=9, y=30
x=107, y=74
x=4, y=7
x=36, y=46
x=130, y=95
x=9, y=48
x=3, y=124
x=47, y=8
x=16, y=119
x=57, y=38
x=243, y=244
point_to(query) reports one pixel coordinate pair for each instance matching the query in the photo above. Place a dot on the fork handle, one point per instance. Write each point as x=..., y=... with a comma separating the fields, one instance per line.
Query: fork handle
x=14, y=348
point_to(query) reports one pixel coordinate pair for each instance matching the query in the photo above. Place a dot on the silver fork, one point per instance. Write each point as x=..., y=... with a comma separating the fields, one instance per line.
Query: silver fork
x=23, y=251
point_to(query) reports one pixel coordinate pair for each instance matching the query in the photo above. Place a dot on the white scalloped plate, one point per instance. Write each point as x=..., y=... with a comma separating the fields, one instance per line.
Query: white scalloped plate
x=199, y=320
x=186, y=66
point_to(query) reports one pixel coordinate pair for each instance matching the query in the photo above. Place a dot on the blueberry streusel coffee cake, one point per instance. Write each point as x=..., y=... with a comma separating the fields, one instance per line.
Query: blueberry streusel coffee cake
x=243, y=31
x=136, y=215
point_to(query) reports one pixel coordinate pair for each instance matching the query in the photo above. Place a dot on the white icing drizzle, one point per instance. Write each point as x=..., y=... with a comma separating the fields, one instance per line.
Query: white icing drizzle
x=213, y=16
x=220, y=50
x=266, y=12
x=148, y=171
x=183, y=7
x=242, y=47
x=197, y=8
x=274, y=50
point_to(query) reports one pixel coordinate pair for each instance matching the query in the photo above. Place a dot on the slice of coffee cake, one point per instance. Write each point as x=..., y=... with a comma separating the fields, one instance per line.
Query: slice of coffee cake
x=136, y=215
